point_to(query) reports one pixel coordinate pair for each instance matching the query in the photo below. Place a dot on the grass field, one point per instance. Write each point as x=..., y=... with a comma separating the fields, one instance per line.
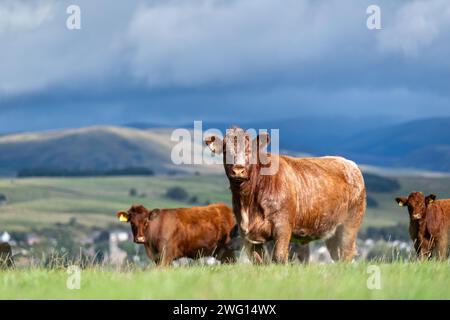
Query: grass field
x=36, y=203
x=93, y=201
x=335, y=281
x=39, y=202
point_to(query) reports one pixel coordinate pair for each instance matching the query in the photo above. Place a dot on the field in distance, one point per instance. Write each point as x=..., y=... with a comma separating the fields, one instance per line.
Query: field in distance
x=40, y=202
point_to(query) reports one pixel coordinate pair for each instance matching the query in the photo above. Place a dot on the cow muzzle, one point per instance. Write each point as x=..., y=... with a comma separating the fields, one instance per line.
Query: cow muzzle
x=139, y=240
x=238, y=172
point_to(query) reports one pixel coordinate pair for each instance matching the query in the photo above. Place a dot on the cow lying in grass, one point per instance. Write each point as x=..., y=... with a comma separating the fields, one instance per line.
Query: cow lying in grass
x=429, y=224
x=169, y=234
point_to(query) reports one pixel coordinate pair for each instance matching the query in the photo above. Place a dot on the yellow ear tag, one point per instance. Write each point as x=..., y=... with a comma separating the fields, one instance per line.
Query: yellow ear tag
x=430, y=201
x=401, y=204
x=123, y=218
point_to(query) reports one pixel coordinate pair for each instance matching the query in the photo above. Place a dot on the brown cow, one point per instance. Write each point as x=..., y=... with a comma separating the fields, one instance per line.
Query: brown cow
x=169, y=234
x=308, y=198
x=429, y=224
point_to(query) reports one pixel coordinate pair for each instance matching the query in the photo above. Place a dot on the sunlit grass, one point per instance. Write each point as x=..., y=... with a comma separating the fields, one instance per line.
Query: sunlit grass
x=334, y=281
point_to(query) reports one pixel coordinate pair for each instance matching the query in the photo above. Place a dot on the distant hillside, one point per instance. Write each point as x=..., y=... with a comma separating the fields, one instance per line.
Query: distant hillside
x=307, y=135
x=92, y=148
x=423, y=144
x=420, y=144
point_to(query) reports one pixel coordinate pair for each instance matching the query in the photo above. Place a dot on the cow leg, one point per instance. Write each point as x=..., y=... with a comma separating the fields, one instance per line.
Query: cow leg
x=342, y=245
x=417, y=248
x=346, y=233
x=282, y=234
x=424, y=254
x=149, y=251
x=226, y=255
x=282, y=240
x=348, y=244
x=425, y=248
x=333, y=248
x=303, y=253
x=441, y=246
x=255, y=252
x=166, y=258
x=281, y=250
x=334, y=244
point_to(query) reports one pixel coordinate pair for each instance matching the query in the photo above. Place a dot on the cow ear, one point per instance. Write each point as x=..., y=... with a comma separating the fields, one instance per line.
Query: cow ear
x=153, y=214
x=123, y=216
x=401, y=201
x=430, y=199
x=263, y=140
x=215, y=144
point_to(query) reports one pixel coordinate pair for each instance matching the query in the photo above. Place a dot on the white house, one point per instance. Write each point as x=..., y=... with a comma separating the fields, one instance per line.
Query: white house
x=5, y=237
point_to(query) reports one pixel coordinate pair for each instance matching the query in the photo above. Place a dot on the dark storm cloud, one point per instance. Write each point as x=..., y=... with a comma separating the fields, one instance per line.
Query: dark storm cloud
x=172, y=61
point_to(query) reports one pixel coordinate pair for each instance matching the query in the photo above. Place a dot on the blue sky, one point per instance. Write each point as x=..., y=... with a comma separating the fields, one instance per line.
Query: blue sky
x=174, y=61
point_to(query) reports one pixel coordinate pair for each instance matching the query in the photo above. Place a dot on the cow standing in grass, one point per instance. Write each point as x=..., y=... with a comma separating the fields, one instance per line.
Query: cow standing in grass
x=305, y=198
x=429, y=224
x=169, y=234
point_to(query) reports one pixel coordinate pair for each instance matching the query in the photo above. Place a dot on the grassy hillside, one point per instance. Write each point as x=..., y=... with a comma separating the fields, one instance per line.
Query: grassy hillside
x=93, y=201
x=92, y=148
x=388, y=213
x=333, y=281
x=39, y=202
x=422, y=144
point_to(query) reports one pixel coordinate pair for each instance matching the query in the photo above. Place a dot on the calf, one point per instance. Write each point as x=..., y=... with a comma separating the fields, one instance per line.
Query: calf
x=307, y=198
x=169, y=234
x=429, y=224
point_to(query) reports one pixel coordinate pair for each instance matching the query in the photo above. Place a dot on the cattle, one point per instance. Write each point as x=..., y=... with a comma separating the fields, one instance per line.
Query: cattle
x=429, y=224
x=305, y=198
x=6, y=260
x=169, y=234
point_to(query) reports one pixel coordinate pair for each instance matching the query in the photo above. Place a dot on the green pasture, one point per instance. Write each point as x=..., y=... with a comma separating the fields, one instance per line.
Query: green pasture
x=39, y=202
x=333, y=281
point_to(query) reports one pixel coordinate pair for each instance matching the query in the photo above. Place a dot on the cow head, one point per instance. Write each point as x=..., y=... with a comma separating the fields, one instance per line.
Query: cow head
x=416, y=203
x=239, y=150
x=140, y=218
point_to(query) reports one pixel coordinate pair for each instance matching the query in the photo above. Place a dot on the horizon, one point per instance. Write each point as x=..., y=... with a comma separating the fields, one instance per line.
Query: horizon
x=376, y=122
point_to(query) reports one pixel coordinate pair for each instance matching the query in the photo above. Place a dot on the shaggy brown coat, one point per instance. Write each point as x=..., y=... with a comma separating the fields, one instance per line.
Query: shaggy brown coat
x=307, y=198
x=429, y=225
x=169, y=234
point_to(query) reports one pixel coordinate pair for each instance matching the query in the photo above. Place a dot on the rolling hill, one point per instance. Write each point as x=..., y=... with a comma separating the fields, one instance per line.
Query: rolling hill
x=92, y=148
x=420, y=144
x=313, y=134
x=423, y=144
